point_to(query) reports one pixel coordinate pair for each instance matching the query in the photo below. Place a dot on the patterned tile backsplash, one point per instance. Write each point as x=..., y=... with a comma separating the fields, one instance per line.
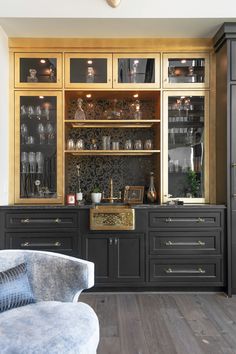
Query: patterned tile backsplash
x=96, y=171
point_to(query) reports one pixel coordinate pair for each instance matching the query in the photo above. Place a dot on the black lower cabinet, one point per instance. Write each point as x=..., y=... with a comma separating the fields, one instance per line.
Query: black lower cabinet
x=118, y=258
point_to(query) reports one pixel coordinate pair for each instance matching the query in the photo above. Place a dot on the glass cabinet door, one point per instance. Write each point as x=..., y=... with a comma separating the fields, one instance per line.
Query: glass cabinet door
x=88, y=70
x=38, y=70
x=185, y=159
x=185, y=70
x=38, y=154
x=136, y=70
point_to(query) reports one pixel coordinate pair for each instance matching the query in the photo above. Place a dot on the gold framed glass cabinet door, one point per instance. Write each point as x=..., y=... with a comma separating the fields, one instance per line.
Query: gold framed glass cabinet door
x=186, y=70
x=136, y=71
x=88, y=70
x=186, y=146
x=38, y=70
x=38, y=150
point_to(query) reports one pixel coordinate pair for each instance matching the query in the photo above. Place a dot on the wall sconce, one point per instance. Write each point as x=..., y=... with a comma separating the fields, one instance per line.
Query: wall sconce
x=113, y=3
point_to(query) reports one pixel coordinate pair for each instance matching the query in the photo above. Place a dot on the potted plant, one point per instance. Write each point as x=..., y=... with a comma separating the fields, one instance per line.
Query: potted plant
x=96, y=195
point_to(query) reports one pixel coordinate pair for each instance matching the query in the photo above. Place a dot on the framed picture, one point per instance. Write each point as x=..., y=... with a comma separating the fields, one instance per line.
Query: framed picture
x=133, y=194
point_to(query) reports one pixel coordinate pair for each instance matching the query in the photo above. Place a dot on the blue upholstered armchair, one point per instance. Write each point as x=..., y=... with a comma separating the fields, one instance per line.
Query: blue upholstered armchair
x=56, y=323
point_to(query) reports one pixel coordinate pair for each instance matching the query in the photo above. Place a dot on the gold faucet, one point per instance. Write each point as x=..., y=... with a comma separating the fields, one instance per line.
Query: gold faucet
x=111, y=197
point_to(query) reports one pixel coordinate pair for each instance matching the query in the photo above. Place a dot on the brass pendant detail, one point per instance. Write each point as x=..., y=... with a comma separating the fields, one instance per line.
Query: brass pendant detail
x=113, y=3
x=113, y=219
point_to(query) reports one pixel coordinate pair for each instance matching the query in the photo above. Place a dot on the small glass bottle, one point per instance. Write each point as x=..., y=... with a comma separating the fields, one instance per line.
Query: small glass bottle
x=151, y=193
x=93, y=145
x=137, y=112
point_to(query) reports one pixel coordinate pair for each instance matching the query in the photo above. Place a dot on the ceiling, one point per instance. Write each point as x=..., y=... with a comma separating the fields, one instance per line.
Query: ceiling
x=112, y=28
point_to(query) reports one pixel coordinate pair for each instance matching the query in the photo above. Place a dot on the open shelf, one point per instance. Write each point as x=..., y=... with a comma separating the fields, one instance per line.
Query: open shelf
x=122, y=123
x=111, y=152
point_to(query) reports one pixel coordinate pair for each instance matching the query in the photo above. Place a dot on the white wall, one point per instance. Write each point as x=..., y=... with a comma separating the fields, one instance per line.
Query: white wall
x=4, y=117
x=127, y=9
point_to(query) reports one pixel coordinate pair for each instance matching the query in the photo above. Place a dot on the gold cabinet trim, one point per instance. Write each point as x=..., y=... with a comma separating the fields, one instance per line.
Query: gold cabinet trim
x=113, y=219
x=84, y=85
x=182, y=85
x=38, y=85
x=60, y=197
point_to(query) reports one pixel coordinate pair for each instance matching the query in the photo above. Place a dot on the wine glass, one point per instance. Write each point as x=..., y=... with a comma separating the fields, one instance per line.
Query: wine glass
x=24, y=132
x=24, y=162
x=23, y=110
x=40, y=161
x=49, y=131
x=32, y=162
x=38, y=112
x=41, y=131
x=30, y=111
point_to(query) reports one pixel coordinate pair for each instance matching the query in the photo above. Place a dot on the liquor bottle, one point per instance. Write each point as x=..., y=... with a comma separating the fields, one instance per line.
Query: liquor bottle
x=151, y=193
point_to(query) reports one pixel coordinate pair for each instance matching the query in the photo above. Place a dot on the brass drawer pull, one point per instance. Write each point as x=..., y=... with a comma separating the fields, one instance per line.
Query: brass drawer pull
x=25, y=221
x=198, y=243
x=46, y=221
x=168, y=220
x=182, y=271
x=198, y=220
x=28, y=244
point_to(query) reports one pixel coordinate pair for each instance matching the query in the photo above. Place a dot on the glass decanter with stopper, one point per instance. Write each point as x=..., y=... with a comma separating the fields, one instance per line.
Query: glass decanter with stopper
x=79, y=113
x=151, y=193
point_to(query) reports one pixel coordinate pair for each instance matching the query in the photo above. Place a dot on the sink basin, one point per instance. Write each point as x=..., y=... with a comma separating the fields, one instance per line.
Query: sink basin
x=112, y=217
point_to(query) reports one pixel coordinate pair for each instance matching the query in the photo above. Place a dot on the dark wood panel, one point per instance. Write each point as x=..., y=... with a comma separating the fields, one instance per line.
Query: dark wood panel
x=186, y=270
x=177, y=218
x=42, y=219
x=47, y=241
x=186, y=242
x=98, y=249
x=130, y=258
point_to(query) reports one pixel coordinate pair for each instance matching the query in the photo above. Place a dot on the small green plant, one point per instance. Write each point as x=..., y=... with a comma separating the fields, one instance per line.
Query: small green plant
x=96, y=189
x=193, y=182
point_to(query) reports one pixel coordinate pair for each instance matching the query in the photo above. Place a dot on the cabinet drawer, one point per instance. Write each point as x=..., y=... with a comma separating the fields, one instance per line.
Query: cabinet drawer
x=41, y=220
x=184, y=219
x=57, y=242
x=185, y=270
x=185, y=242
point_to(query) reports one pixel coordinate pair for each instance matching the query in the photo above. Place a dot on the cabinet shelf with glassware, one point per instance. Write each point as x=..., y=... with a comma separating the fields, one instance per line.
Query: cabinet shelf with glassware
x=186, y=70
x=119, y=130
x=38, y=70
x=38, y=150
x=185, y=162
x=98, y=116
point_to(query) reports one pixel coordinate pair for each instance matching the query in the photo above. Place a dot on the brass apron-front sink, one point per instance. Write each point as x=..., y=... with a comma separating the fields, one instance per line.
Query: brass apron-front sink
x=112, y=217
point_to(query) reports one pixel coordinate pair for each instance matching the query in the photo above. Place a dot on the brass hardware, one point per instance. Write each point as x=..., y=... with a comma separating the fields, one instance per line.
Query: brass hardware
x=112, y=218
x=57, y=220
x=168, y=220
x=25, y=221
x=116, y=241
x=111, y=197
x=198, y=243
x=28, y=244
x=233, y=164
x=181, y=271
x=113, y=3
x=110, y=241
x=200, y=220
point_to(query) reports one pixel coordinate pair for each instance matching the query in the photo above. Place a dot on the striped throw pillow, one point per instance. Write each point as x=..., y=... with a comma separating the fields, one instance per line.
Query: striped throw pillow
x=15, y=290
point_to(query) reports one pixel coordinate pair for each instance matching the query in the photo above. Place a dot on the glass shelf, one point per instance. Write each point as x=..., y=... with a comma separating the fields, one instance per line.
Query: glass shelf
x=112, y=152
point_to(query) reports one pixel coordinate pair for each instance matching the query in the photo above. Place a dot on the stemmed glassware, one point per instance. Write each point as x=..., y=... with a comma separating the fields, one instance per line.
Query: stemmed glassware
x=30, y=111
x=49, y=132
x=24, y=162
x=38, y=112
x=41, y=131
x=24, y=133
x=32, y=162
x=40, y=161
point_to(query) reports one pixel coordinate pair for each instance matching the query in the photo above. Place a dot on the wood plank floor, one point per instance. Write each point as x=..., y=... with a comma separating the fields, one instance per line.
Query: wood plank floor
x=164, y=323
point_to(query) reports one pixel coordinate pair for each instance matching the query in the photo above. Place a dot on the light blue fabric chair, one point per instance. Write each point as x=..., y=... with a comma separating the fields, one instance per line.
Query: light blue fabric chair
x=57, y=323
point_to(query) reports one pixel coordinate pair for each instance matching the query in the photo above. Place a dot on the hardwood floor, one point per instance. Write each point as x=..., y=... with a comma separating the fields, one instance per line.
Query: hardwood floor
x=165, y=323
